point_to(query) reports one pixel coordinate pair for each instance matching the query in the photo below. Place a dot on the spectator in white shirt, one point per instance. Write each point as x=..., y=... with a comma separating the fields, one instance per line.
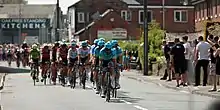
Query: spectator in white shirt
x=188, y=55
x=201, y=60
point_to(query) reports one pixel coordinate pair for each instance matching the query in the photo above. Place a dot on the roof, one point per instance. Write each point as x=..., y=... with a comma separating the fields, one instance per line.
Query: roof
x=167, y=2
x=73, y=5
x=27, y=11
x=92, y=23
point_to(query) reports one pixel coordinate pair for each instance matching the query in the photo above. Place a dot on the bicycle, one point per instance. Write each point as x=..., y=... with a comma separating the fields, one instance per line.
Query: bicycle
x=47, y=73
x=117, y=71
x=34, y=72
x=83, y=75
x=73, y=77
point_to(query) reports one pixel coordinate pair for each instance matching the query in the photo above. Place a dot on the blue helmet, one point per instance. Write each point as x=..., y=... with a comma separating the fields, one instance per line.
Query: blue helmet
x=96, y=41
x=102, y=39
x=73, y=44
x=108, y=45
x=101, y=43
x=114, y=42
x=84, y=44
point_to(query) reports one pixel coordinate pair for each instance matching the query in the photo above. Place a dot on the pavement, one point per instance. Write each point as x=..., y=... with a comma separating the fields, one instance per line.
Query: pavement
x=19, y=93
x=200, y=90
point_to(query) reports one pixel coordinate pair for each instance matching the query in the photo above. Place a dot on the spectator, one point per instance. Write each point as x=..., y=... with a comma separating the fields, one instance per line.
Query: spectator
x=188, y=54
x=179, y=62
x=1, y=52
x=201, y=60
x=214, y=56
x=166, y=50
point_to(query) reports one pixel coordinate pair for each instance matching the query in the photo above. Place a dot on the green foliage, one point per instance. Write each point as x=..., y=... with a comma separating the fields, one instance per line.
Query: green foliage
x=129, y=45
x=155, y=38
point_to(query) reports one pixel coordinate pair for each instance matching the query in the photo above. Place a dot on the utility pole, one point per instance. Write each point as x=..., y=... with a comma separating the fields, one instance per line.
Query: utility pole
x=145, y=38
x=20, y=23
x=57, y=34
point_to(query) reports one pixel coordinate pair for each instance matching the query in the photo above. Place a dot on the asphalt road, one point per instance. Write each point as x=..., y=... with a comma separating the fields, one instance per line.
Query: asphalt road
x=20, y=94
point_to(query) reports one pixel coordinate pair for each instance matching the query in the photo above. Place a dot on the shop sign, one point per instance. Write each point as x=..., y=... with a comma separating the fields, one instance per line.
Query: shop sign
x=24, y=23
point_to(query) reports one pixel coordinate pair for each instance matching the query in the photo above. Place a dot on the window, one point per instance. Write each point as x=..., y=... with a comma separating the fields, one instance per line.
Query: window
x=149, y=16
x=126, y=15
x=81, y=17
x=180, y=16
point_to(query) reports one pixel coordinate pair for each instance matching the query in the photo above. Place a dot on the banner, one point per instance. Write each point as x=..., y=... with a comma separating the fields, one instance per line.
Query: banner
x=31, y=39
x=24, y=23
x=117, y=33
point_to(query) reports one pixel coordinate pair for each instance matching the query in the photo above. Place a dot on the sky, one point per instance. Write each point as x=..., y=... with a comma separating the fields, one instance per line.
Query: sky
x=64, y=4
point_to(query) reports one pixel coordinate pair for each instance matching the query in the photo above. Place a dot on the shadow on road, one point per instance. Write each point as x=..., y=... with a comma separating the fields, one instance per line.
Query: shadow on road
x=11, y=70
x=124, y=96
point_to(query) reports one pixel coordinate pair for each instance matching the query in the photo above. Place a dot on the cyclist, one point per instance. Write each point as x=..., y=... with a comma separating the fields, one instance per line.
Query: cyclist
x=45, y=60
x=92, y=53
x=96, y=64
x=35, y=56
x=54, y=66
x=62, y=56
x=83, y=55
x=9, y=56
x=72, y=58
x=25, y=54
x=108, y=59
x=118, y=53
x=18, y=56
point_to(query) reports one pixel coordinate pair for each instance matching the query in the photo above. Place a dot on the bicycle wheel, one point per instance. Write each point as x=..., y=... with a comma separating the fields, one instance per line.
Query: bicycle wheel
x=108, y=87
x=34, y=77
x=45, y=79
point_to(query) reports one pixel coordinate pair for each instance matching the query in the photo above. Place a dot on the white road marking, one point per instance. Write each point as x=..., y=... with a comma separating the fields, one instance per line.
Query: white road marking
x=129, y=103
x=140, y=108
x=185, y=92
x=160, y=84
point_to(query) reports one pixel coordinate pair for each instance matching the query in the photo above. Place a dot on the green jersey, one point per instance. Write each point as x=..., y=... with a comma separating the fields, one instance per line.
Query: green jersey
x=35, y=53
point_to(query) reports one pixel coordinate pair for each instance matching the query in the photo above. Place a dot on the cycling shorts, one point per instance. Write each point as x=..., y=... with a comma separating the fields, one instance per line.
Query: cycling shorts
x=72, y=61
x=105, y=63
x=64, y=62
x=45, y=60
x=83, y=60
x=36, y=61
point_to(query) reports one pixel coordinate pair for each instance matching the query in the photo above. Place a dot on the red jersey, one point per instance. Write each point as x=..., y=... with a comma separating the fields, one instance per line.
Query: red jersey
x=63, y=52
x=45, y=53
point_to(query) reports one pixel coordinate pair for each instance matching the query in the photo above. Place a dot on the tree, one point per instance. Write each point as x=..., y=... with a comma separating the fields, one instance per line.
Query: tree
x=14, y=2
x=155, y=38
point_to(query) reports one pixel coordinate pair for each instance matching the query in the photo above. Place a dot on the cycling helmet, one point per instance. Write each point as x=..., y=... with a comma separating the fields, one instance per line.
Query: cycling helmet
x=84, y=44
x=101, y=43
x=34, y=46
x=96, y=41
x=102, y=39
x=108, y=45
x=73, y=44
x=114, y=42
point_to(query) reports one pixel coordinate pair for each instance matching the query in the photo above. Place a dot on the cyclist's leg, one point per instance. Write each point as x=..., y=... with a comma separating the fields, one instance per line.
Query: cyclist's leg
x=69, y=73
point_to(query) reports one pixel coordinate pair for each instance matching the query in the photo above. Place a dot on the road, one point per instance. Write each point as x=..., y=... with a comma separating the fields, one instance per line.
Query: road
x=20, y=94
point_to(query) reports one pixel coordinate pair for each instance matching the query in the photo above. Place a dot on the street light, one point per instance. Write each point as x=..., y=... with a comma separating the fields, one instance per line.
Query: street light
x=57, y=20
x=145, y=39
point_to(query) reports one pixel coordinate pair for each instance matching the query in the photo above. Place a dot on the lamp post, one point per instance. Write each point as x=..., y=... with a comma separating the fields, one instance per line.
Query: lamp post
x=57, y=38
x=19, y=31
x=145, y=39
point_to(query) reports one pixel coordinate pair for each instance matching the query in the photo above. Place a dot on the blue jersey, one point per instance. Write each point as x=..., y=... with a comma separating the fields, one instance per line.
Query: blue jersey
x=118, y=51
x=104, y=56
x=97, y=51
x=92, y=49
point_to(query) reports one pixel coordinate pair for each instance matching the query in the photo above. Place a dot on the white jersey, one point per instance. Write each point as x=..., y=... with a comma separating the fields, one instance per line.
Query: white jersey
x=72, y=53
x=83, y=52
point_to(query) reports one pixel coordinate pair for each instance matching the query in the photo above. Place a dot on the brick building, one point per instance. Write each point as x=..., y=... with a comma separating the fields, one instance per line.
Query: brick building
x=173, y=16
x=205, y=10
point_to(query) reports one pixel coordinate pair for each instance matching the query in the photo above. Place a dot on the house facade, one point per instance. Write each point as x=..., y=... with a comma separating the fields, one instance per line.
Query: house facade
x=173, y=15
x=205, y=10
